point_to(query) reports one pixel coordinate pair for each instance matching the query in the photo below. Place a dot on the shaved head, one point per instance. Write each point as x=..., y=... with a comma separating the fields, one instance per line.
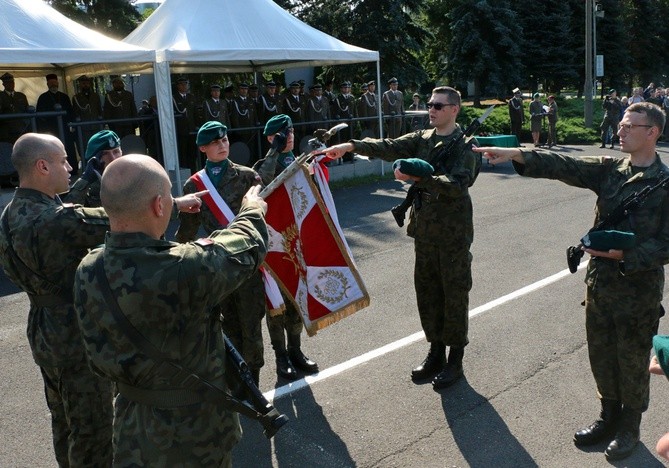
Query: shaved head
x=130, y=184
x=30, y=148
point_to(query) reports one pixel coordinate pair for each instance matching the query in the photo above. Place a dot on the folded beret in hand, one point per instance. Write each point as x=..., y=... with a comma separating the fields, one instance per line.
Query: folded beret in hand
x=661, y=345
x=414, y=167
x=607, y=240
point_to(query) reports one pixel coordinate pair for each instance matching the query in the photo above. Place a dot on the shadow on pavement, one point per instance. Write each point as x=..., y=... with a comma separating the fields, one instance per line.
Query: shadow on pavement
x=306, y=441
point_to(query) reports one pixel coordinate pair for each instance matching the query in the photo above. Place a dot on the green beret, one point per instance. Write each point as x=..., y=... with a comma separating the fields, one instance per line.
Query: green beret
x=276, y=124
x=661, y=346
x=414, y=167
x=209, y=132
x=101, y=141
x=607, y=240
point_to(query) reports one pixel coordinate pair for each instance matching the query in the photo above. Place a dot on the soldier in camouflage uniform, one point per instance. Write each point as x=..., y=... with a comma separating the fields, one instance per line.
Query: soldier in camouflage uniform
x=168, y=292
x=41, y=243
x=243, y=310
x=624, y=287
x=281, y=323
x=442, y=227
x=102, y=149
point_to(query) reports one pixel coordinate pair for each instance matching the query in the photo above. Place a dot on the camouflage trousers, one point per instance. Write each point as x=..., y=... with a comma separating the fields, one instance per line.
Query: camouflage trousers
x=242, y=313
x=289, y=322
x=620, y=322
x=443, y=278
x=81, y=409
x=198, y=435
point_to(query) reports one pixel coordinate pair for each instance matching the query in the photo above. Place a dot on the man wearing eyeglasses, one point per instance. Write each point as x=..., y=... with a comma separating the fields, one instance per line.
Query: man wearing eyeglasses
x=441, y=224
x=624, y=285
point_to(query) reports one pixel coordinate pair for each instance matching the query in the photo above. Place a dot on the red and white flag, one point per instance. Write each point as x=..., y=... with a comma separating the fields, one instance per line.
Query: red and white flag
x=308, y=255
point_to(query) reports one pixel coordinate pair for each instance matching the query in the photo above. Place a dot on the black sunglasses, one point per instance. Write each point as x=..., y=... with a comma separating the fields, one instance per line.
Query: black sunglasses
x=437, y=105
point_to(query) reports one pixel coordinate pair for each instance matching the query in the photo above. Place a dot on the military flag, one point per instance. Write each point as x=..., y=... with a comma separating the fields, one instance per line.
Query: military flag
x=308, y=254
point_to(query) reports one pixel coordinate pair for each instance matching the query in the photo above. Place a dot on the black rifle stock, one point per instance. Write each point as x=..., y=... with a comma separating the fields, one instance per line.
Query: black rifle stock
x=267, y=415
x=399, y=211
x=630, y=203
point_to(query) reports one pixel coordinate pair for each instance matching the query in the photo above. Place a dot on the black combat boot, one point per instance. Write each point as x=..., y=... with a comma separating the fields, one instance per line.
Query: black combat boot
x=453, y=370
x=602, y=429
x=284, y=368
x=298, y=358
x=433, y=363
x=627, y=436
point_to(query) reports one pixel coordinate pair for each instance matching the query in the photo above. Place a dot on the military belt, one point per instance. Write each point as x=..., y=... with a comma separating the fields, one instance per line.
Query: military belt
x=170, y=398
x=49, y=300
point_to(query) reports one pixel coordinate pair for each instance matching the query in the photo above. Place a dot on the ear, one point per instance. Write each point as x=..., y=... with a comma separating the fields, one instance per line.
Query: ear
x=42, y=166
x=157, y=206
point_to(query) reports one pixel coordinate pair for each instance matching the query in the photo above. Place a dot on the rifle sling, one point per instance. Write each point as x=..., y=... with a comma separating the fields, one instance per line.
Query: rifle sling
x=165, y=366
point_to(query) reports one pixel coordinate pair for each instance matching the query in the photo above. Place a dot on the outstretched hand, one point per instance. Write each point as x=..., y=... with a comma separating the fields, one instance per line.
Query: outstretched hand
x=497, y=155
x=336, y=151
x=190, y=203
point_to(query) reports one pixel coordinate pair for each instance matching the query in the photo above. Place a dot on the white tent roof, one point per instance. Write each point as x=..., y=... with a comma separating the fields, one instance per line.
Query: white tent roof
x=239, y=35
x=35, y=37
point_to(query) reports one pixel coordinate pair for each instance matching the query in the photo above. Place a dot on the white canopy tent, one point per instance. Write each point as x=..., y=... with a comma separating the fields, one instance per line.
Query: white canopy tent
x=36, y=39
x=227, y=36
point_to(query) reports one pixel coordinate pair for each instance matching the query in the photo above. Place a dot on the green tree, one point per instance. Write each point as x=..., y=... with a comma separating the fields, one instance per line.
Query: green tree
x=388, y=26
x=483, y=48
x=612, y=40
x=547, y=55
x=114, y=18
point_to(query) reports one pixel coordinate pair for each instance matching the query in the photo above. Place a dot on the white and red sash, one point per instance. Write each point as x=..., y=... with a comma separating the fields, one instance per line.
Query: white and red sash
x=224, y=216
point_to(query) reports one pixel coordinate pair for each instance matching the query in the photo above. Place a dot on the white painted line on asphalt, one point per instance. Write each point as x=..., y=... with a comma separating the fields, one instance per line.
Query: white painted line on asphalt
x=356, y=361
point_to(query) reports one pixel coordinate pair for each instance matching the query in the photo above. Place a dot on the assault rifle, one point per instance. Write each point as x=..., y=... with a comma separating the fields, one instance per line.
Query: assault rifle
x=632, y=202
x=399, y=211
x=258, y=408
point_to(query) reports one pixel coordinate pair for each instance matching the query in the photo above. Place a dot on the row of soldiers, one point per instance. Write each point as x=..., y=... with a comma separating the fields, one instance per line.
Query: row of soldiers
x=85, y=106
x=243, y=113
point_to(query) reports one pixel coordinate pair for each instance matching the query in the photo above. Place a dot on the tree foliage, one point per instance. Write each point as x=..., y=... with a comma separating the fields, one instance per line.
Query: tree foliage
x=495, y=45
x=115, y=18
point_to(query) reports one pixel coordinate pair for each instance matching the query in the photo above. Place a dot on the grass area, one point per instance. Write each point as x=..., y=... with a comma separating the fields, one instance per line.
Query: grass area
x=570, y=126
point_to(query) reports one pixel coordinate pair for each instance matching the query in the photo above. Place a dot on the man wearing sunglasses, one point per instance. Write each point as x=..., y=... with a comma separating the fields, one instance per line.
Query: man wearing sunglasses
x=441, y=225
x=624, y=285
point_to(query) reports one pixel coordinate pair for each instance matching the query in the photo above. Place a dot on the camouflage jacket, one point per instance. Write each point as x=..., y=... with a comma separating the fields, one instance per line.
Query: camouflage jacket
x=84, y=193
x=232, y=187
x=167, y=291
x=614, y=179
x=50, y=239
x=445, y=213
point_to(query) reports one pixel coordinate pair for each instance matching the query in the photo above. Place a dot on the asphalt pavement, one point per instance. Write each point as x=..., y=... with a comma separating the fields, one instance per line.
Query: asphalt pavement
x=527, y=383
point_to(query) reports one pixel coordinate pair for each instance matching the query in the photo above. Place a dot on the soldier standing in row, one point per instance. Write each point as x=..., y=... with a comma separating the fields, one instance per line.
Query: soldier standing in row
x=12, y=102
x=367, y=108
x=293, y=106
x=344, y=110
x=284, y=325
x=87, y=108
x=243, y=115
x=41, y=243
x=442, y=228
x=623, y=302
x=120, y=104
x=53, y=100
x=516, y=113
x=184, y=120
x=168, y=293
x=244, y=309
x=215, y=108
x=318, y=109
x=268, y=103
x=393, y=109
